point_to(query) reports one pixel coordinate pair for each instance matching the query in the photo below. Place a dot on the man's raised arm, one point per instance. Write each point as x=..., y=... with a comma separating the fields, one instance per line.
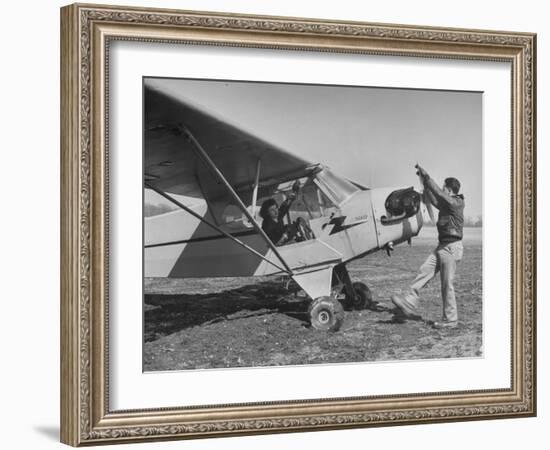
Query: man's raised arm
x=431, y=197
x=440, y=195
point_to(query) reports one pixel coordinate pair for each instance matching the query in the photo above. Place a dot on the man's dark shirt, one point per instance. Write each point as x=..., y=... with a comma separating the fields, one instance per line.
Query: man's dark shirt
x=276, y=229
x=451, y=212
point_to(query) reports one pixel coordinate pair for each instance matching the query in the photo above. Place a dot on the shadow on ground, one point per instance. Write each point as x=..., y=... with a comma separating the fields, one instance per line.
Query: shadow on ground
x=169, y=313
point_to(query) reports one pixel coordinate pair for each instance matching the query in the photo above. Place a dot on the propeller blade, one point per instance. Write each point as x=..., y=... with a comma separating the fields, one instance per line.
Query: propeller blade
x=426, y=200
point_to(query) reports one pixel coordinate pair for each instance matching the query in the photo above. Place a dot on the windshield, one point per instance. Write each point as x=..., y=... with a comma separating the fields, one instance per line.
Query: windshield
x=338, y=189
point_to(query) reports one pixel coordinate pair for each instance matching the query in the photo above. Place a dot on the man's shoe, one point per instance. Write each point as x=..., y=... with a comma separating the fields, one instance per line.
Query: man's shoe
x=445, y=325
x=405, y=307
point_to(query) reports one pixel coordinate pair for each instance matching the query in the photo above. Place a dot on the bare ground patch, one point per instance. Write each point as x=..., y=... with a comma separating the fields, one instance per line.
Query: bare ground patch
x=251, y=322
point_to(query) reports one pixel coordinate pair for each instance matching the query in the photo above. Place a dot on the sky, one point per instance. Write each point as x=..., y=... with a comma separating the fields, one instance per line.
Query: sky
x=373, y=136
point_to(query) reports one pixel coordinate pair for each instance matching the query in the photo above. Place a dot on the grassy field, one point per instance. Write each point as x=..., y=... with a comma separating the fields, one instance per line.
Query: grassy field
x=250, y=322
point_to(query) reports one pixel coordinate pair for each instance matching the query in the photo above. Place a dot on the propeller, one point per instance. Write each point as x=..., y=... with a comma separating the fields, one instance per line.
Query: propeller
x=425, y=197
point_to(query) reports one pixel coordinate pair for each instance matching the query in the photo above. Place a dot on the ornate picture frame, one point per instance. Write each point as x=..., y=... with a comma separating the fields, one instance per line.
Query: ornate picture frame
x=87, y=31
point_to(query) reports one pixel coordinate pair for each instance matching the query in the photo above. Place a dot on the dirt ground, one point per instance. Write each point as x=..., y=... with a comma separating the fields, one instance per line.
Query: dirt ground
x=250, y=322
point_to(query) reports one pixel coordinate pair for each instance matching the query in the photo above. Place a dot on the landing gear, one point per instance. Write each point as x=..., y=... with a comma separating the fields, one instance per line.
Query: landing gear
x=357, y=296
x=326, y=314
x=326, y=311
x=361, y=298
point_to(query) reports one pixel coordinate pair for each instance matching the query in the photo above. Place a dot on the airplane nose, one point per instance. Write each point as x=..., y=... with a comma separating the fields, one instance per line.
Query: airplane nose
x=401, y=204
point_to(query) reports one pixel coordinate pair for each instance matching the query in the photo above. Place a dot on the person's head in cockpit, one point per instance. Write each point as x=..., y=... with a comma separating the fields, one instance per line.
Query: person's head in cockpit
x=272, y=216
x=269, y=210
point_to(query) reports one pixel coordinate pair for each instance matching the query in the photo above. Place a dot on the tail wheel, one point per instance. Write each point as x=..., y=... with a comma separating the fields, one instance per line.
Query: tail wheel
x=362, y=298
x=326, y=314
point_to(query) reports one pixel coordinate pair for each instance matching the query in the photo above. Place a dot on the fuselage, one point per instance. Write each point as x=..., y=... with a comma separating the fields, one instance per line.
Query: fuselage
x=178, y=245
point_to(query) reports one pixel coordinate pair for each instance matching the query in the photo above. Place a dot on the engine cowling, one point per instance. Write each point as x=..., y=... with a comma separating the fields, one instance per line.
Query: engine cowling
x=401, y=204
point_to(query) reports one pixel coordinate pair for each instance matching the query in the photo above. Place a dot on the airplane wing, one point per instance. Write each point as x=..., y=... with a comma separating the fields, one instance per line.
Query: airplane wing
x=171, y=163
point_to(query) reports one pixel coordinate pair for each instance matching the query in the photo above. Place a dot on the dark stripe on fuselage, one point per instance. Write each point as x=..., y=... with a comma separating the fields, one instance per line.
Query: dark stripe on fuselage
x=206, y=238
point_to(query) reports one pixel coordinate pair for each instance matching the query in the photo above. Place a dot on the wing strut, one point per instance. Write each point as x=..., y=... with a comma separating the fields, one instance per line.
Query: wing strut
x=206, y=159
x=256, y=185
x=215, y=227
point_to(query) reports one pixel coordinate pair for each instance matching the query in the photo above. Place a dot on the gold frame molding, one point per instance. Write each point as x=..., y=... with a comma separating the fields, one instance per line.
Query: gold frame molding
x=86, y=31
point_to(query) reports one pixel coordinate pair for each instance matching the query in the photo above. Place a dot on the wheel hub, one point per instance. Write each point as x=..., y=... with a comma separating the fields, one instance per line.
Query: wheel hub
x=326, y=313
x=324, y=317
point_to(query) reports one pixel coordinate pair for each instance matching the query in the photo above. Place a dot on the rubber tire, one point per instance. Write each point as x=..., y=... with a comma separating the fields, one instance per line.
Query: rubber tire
x=326, y=314
x=363, y=297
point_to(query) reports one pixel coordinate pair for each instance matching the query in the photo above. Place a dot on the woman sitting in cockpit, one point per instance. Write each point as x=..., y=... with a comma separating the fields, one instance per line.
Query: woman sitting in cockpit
x=273, y=214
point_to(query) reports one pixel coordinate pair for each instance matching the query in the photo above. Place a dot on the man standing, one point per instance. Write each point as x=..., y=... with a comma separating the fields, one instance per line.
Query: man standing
x=445, y=256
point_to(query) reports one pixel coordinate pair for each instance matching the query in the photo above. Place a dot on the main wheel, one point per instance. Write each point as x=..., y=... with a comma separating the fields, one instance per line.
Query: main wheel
x=326, y=313
x=362, y=298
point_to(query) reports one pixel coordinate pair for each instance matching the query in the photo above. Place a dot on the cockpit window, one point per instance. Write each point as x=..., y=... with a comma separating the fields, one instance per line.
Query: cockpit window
x=319, y=195
x=339, y=189
x=311, y=203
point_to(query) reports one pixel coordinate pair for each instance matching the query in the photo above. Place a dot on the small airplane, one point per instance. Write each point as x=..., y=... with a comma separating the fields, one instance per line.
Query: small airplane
x=217, y=175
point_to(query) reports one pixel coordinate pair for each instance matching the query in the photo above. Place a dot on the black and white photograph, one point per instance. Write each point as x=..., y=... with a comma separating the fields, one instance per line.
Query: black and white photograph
x=297, y=224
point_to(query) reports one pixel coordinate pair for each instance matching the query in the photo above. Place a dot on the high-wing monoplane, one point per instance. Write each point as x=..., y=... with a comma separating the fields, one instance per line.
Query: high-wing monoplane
x=217, y=176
